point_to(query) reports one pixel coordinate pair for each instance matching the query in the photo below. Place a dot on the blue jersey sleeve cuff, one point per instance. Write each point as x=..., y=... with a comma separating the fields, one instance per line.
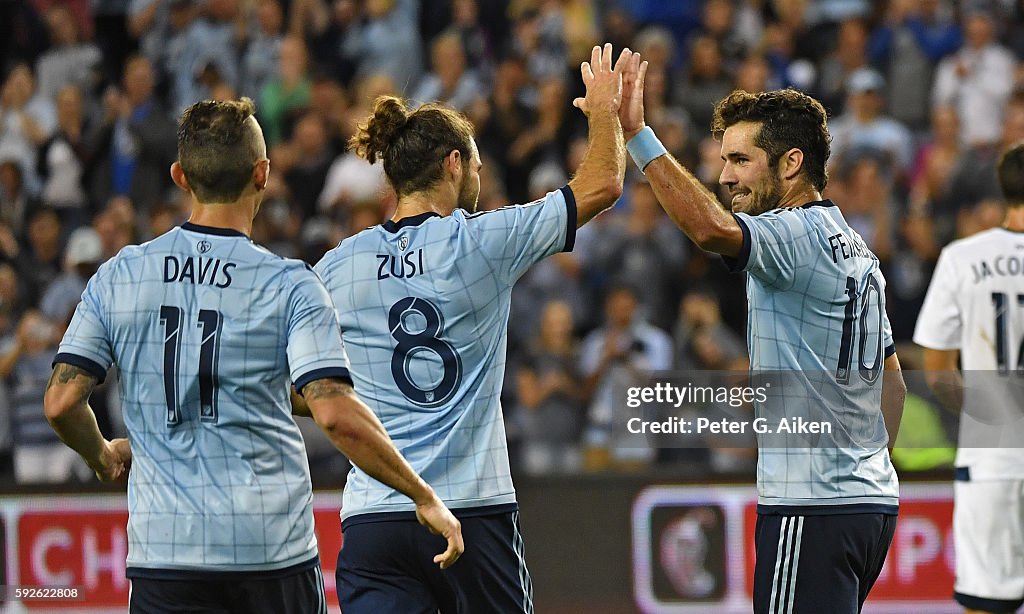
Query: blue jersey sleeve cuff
x=739, y=263
x=890, y=350
x=324, y=373
x=92, y=367
x=570, y=217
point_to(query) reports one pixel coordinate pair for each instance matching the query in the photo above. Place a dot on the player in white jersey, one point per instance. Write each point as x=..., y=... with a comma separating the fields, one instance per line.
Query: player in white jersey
x=974, y=312
x=210, y=333
x=424, y=303
x=816, y=320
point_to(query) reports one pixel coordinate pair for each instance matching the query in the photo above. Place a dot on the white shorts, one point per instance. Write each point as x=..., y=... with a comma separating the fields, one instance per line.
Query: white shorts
x=988, y=532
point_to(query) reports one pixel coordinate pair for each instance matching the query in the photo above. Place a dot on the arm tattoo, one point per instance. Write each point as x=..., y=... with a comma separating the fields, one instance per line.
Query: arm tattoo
x=325, y=388
x=65, y=374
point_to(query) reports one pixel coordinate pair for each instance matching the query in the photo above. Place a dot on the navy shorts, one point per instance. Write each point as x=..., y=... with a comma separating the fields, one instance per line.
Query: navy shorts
x=386, y=565
x=296, y=590
x=818, y=563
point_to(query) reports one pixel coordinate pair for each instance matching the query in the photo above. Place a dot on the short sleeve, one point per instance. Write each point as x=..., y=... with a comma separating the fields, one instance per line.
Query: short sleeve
x=86, y=343
x=775, y=248
x=518, y=236
x=315, y=350
x=939, y=323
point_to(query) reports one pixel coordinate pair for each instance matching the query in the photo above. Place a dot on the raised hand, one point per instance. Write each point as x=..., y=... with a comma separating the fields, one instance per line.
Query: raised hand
x=603, y=83
x=631, y=111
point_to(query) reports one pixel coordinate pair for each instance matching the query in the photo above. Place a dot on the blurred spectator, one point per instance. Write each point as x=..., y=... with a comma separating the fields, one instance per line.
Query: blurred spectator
x=263, y=49
x=538, y=38
x=449, y=81
x=309, y=158
x=388, y=42
x=621, y=353
x=836, y=71
x=287, y=93
x=476, y=42
x=914, y=37
x=550, y=409
x=63, y=160
x=863, y=126
x=869, y=206
x=15, y=201
x=908, y=270
x=39, y=456
x=547, y=141
x=718, y=23
x=135, y=142
x=506, y=118
x=976, y=80
x=644, y=245
x=754, y=74
x=974, y=178
x=702, y=340
x=936, y=160
x=14, y=299
x=209, y=52
x=115, y=226
x=69, y=61
x=83, y=255
x=38, y=261
x=327, y=40
x=26, y=120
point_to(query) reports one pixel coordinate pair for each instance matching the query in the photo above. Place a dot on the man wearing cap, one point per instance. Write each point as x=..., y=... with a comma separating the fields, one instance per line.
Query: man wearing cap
x=83, y=255
x=863, y=126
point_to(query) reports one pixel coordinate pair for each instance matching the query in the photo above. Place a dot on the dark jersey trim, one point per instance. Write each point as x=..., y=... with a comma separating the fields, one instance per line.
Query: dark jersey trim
x=413, y=220
x=213, y=575
x=828, y=510
x=570, y=217
x=91, y=366
x=737, y=264
x=819, y=203
x=210, y=230
x=336, y=372
x=890, y=350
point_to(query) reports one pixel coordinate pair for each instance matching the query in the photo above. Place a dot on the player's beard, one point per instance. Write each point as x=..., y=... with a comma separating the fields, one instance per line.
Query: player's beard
x=763, y=197
x=469, y=193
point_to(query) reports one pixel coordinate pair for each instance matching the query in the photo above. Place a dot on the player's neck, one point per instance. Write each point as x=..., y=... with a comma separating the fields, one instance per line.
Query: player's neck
x=424, y=201
x=799, y=196
x=233, y=216
x=1014, y=218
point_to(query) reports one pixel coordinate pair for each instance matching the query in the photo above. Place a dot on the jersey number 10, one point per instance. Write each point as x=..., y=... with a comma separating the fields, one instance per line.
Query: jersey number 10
x=860, y=326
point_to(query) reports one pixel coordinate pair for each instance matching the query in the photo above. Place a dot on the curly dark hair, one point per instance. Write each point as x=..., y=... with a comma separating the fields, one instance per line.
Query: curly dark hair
x=1011, y=174
x=216, y=150
x=789, y=120
x=412, y=143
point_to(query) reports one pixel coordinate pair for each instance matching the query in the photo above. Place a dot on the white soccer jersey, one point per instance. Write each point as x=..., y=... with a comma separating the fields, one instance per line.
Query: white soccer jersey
x=975, y=304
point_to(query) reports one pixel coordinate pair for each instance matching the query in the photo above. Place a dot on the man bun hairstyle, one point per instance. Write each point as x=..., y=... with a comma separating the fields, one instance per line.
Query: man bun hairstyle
x=217, y=150
x=412, y=144
x=789, y=120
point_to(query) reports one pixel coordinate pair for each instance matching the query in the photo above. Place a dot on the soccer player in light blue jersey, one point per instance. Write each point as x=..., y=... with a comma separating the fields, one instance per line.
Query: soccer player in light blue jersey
x=210, y=333
x=816, y=313
x=424, y=302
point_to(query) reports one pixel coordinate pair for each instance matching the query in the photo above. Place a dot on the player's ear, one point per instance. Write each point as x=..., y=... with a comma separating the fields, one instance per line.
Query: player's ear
x=178, y=176
x=791, y=163
x=453, y=162
x=261, y=174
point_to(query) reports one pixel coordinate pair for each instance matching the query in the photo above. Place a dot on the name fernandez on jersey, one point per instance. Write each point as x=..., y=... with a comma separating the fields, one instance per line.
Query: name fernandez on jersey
x=848, y=247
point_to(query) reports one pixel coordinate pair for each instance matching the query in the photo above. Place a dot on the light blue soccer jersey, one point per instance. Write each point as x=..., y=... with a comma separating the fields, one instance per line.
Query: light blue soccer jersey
x=208, y=331
x=424, y=306
x=816, y=320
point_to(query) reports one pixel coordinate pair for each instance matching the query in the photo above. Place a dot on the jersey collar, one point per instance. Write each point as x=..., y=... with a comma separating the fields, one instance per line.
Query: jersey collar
x=212, y=230
x=412, y=220
x=819, y=203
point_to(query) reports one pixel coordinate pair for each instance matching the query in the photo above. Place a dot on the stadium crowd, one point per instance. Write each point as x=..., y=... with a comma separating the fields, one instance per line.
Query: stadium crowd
x=922, y=96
